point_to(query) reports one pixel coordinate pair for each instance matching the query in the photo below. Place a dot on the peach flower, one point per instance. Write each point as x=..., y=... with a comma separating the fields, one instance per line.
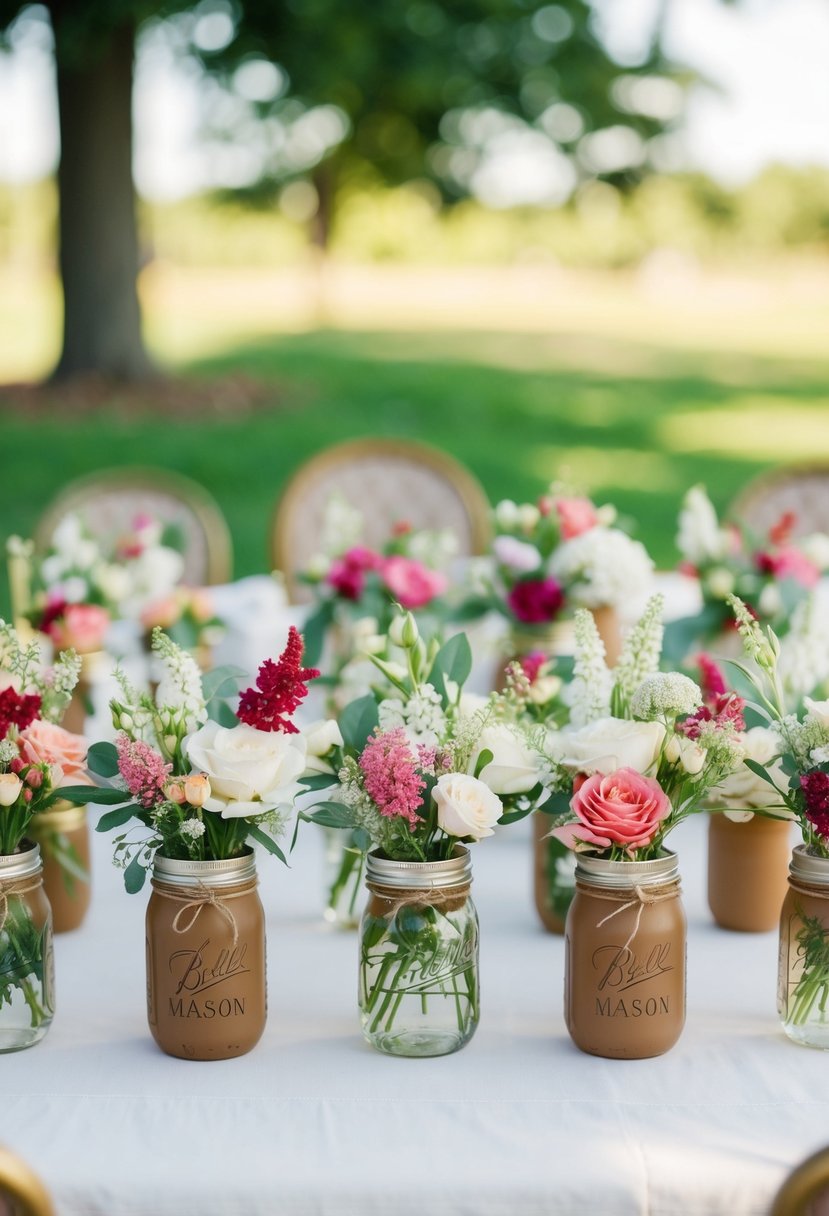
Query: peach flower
x=46, y=743
x=622, y=808
x=575, y=515
x=82, y=626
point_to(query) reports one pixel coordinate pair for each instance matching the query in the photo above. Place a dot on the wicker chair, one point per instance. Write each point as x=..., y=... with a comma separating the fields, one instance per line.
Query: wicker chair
x=21, y=1191
x=806, y=1190
x=803, y=489
x=109, y=500
x=388, y=480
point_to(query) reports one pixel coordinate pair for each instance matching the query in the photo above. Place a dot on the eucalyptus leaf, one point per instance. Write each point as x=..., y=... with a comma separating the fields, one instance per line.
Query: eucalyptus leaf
x=114, y=819
x=267, y=842
x=357, y=721
x=102, y=758
x=83, y=794
x=134, y=876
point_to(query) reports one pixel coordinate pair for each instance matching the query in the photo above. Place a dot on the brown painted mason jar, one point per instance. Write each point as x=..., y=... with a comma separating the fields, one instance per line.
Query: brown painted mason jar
x=748, y=870
x=63, y=830
x=624, y=968
x=79, y=708
x=206, y=996
x=27, y=965
x=803, y=976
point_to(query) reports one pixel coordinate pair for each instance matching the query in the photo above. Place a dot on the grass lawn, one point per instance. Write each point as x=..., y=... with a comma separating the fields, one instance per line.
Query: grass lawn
x=634, y=418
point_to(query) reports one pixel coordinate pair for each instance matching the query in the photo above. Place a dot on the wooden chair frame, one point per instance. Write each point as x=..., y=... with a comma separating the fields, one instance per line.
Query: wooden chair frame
x=20, y=1184
x=804, y=1183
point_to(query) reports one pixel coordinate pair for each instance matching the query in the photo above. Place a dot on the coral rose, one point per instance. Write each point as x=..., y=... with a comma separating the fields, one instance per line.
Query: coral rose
x=575, y=515
x=65, y=753
x=622, y=808
x=82, y=626
x=412, y=584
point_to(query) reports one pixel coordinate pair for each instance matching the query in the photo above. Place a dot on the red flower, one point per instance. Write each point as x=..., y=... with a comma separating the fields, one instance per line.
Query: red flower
x=347, y=573
x=280, y=687
x=53, y=611
x=815, y=786
x=781, y=532
x=532, y=663
x=17, y=709
x=727, y=710
x=534, y=601
x=711, y=678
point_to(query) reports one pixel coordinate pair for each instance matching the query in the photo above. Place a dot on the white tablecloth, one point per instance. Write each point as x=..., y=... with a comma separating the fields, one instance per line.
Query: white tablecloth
x=316, y=1123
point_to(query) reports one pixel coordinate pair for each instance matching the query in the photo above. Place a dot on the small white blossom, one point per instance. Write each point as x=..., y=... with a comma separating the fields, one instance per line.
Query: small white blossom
x=421, y=717
x=192, y=829
x=665, y=695
x=342, y=526
x=804, y=652
x=700, y=538
x=179, y=697
x=642, y=649
x=589, y=691
x=601, y=567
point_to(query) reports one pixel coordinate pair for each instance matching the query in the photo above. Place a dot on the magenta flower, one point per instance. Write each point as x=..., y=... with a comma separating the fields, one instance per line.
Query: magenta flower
x=143, y=770
x=535, y=601
x=815, y=786
x=411, y=583
x=391, y=777
x=711, y=678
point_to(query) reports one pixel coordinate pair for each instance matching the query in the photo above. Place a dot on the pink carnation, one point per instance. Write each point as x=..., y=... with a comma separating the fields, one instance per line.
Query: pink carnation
x=391, y=777
x=143, y=770
x=789, y=562
x=535, y=601
x=82, y=627
x=410, y=582
x=575, y=516
x=532, y=664
x=620, y=808
x=347, y=573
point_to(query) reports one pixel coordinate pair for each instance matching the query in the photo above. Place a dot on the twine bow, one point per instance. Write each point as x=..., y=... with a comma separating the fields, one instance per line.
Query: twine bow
x=194, y=903
x=644, y=898
x=445, y=899
x=13, y=888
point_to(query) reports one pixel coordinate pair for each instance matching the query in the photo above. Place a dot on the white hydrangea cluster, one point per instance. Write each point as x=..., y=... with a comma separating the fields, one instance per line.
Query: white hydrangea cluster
x=700, y=538
x=192, y=829
x=590, y=689
x=342, y=526
x=642, y=649
x=421, y=717
x=665, y=695
x=8, y=752
x=601, y=567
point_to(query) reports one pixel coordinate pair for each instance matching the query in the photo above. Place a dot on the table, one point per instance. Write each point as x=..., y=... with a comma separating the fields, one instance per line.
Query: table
x=315, y=1123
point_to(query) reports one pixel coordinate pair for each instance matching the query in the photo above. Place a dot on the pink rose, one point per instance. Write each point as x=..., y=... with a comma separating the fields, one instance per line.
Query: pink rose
x=363, y=558
x=82, y=626
x=535, y=601
x=45, y=743
x=789, y=563
x=347, y=574
x=575, y=515
x=622, y=807
x=411, y=583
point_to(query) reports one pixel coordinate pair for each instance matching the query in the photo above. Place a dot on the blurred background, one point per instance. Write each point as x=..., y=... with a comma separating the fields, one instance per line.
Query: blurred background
x=579, y=240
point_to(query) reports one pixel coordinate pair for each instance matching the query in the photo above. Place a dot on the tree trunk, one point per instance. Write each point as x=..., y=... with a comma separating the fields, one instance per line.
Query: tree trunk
x=98, y=236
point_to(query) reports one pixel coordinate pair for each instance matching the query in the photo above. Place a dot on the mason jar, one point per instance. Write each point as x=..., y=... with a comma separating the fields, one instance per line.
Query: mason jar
x=803, y=976
x=344, y=864
x=206, y=997
x=418, y=960
x=748, y=867
x=63, y=835
x=27, y=969
x=624, y=969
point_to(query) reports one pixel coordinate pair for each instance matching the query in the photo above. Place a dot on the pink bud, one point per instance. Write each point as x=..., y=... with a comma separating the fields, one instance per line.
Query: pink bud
x=27, y=795
x=17, y=765
x=174, y=790
x=34, y=778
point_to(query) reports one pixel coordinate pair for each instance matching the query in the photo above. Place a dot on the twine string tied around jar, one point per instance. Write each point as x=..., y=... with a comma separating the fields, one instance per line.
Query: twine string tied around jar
x=644, y=898
x=444, y=899
x=194, y=902
x=20, y=887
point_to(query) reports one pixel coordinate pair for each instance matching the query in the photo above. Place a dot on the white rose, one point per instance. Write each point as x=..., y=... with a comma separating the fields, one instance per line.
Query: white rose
x=771, y=601
x=818, y=711
x=687, y=753
x=609, y=743
x=250, y=771
x=507, y=514
x=513, y=768
x=320, y=737
x=112, y=581
x=529, y=515
x=743, y=790
x=466, y=807
x=544, y=689
x=816, y=548
x=720, y=582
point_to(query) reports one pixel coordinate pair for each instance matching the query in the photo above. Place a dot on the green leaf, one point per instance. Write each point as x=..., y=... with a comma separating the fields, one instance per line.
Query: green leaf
x=357, y=721
x=514, y=816
x=102, y=758
x=452, y=662
x=83, y=794
x=222, y=682
x=220, y=711
x=134, y=876
x=759, y=771
x=266, y=841
x=313, y=633
x=331, y=815
x=483, y=760
x=319, y=781
x=114, y=819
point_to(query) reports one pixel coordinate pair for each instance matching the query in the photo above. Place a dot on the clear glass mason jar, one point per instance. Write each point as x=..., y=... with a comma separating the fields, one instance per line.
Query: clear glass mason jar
x=206, y=995
x=624, y=963
x=418, y=981
x=344, y=865
x=803, y=976
x=27, y=968
x=63, y=835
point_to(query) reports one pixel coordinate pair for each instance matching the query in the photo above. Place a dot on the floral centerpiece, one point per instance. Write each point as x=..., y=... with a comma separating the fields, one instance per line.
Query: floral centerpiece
x=37, y=759
x=200, y=790
x=550, y=557
x=356, y=587
x=423, y=773
x=771, y=573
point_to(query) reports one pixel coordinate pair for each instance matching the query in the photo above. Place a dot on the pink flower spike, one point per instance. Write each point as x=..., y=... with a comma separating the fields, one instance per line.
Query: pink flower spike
x=143, y=770
x=391, y=777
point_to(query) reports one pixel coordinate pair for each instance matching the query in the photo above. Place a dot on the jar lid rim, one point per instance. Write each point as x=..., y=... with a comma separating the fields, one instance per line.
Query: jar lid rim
x=227, y=872
x=809, y=867
x=604, y=872
x=452, y=872
x=21, y=864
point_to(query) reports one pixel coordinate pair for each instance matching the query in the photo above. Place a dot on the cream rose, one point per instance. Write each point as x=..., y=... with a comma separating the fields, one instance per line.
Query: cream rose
x=320, y=737
x=46, y=743
x=687, y=753
x=250, y=771
x=743, y=790
x=466, y=807
x=513, y=768
x=608, y=744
